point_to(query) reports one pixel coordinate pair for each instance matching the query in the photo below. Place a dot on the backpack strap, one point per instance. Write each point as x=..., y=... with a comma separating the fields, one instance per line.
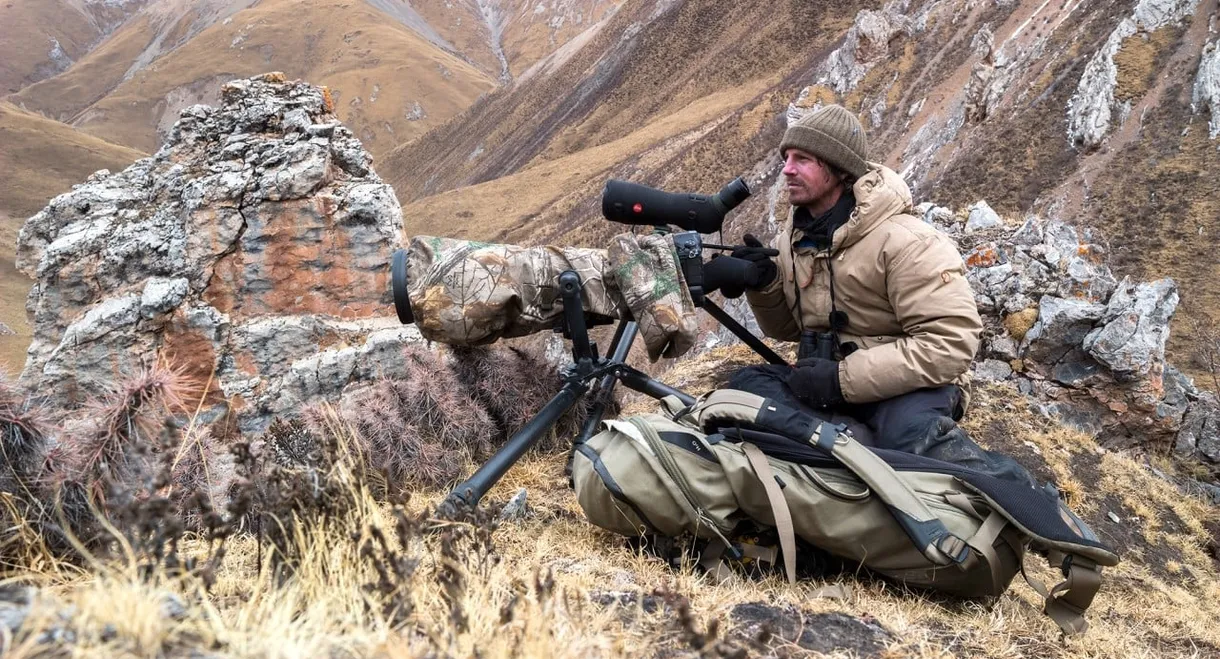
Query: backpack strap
x=1070, y=598
x=779, y=507
x=983, y=540
x=921, y=525
x=927, y=531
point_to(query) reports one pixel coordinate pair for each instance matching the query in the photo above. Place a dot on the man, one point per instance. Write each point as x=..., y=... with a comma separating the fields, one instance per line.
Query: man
x=888, y=290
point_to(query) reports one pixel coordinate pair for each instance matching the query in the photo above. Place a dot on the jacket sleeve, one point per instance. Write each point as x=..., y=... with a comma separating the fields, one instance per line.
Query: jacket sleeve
x=935, y=306
x=771, y=307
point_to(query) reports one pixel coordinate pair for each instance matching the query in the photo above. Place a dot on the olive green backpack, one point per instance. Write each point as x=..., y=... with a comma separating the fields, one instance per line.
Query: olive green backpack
x=736, y=457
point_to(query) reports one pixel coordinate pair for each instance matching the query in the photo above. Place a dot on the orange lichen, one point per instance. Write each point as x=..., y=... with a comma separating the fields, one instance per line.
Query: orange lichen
x=983, y=257
x=328, y=103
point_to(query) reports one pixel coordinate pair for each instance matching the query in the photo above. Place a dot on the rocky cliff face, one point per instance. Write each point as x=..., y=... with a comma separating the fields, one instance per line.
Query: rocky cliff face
x=1060, y=328
x=250, y=251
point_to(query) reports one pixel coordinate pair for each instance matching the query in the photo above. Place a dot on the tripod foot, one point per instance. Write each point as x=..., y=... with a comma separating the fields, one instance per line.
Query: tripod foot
x=457, y=506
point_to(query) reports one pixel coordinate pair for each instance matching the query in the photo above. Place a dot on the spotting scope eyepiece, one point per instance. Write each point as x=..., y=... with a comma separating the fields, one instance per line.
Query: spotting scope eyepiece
x=632, y=203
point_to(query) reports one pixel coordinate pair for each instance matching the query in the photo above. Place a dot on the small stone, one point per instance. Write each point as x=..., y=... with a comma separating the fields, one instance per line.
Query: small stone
x=1077, y=369
x=516, y=507
x=1114, y=518
x=992, y=370
x=1003, y=347
x=982, y=217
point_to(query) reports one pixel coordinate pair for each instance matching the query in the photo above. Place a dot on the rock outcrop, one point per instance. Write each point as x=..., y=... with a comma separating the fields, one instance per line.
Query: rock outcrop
x=250, y=251
x=1206, y=93
x=1091, y=109
x=1085, y=347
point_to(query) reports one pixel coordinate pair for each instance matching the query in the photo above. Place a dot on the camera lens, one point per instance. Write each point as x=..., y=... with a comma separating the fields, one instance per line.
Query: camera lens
x=398, y=278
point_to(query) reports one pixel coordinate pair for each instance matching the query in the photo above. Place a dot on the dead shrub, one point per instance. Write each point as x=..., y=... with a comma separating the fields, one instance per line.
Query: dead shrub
x=422, y=430
x=121, y=433
x=514, y=385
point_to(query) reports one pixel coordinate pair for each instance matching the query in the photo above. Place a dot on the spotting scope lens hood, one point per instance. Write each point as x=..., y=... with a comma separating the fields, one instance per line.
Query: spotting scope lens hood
x=632, y=203
x=398, y=279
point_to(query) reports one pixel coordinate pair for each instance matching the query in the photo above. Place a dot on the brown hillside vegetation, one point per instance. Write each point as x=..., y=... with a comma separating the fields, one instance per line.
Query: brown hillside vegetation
x=40, y=158
x=369, y=578
x=389, y=83
x=528, y=30
x=90, y=79
x=27, y=52
x=142, y=32
x=622, y=80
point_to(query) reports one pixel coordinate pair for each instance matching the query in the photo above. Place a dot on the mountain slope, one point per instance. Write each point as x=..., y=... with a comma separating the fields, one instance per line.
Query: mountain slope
x=390, y=83
x=629, y=72
x=1096, y=112
x=41, y=38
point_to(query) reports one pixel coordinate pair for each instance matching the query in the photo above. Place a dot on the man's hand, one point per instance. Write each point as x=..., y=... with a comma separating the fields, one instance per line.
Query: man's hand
x=760, y=256
x=816, y=382
x=731, y=276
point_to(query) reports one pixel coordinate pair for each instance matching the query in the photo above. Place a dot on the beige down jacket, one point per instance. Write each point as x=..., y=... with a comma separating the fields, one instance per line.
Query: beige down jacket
x=902, y=284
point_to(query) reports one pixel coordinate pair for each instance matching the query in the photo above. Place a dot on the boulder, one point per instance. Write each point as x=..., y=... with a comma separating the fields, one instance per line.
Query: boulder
x=982, y=218
x=1062, y=326
x=251, y=252
x=1131, y=339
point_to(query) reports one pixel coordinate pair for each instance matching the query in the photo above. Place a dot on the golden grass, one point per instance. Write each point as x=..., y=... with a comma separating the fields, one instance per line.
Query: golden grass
x=531, y=596
x=490, y=210
x=376, y=67
x=1139, y=59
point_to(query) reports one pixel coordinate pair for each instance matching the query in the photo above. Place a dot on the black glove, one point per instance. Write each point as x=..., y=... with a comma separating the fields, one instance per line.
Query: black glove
x=760, y=256
x=731, y=276
x=816, y=382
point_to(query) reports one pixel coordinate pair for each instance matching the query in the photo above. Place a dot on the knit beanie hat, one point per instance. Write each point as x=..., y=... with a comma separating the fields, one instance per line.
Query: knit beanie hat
x=832, y=134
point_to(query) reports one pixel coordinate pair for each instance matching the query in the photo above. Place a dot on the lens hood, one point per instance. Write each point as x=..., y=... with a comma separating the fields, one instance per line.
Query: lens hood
x=398, y=279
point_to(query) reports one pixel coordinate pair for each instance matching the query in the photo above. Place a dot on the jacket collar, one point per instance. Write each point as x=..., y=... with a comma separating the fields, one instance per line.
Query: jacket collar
x=880, y=194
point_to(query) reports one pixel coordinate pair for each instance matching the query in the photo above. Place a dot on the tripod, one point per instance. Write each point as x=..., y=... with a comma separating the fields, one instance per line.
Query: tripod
x=588, y=371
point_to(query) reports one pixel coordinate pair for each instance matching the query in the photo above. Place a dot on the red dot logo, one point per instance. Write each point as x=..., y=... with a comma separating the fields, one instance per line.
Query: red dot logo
x=638, y=208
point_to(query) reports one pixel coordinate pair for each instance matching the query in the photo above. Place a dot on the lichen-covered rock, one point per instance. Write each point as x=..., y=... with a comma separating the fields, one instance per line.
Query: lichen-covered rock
x=1206, y=92
x=250, y=251
x=1131, y=340
x=1054, y=311
x=1090, y=110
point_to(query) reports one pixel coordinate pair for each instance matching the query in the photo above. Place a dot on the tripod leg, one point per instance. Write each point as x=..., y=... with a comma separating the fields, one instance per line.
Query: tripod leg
x=620, y=345
x=640, y=382
x=742, y=333
x=468, y=494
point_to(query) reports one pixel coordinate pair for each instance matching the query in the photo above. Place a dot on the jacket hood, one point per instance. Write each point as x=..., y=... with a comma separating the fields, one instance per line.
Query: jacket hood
x=880, y=194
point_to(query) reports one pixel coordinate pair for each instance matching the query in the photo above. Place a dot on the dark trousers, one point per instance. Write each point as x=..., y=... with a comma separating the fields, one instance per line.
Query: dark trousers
x=922, y=422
